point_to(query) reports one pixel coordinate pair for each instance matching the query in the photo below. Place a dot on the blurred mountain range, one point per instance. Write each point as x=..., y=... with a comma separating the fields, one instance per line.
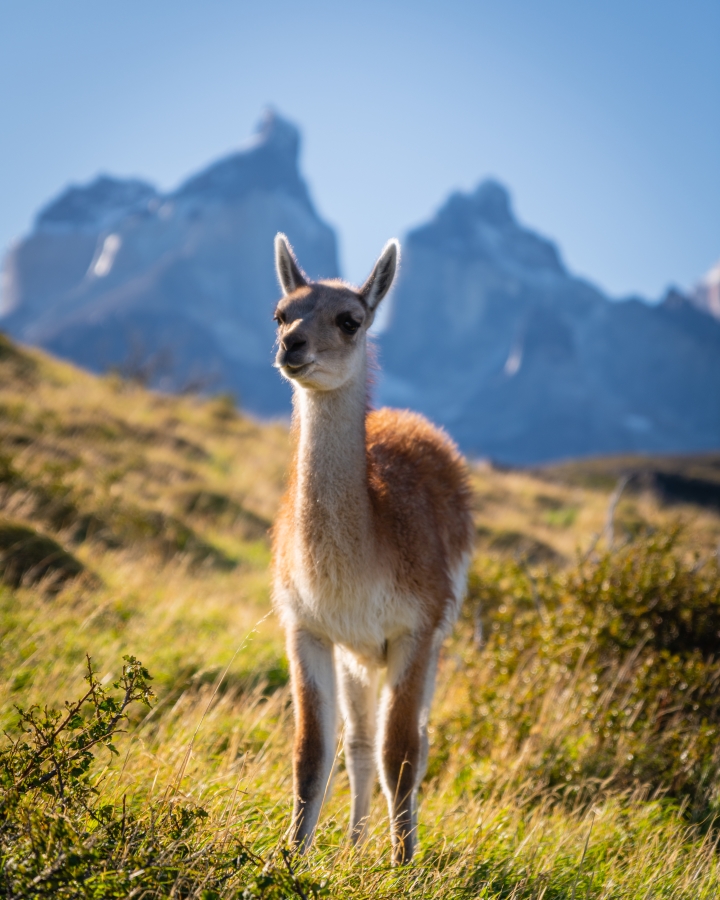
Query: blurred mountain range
x=489, y=334
x=523, y=362
x=179, y=288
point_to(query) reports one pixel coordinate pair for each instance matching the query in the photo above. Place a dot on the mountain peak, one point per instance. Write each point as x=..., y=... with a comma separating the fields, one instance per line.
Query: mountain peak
x=706, y=295
x=269, y=161
x=279, y=134
x=491, y=201
x=93, y=206
x=187, y=278
x=481, y=224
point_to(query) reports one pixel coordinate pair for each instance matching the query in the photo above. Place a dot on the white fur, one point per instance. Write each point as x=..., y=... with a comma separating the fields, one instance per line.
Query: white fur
x=342, y=589
x=289, y=273
x=314, y=656
x=358, y=701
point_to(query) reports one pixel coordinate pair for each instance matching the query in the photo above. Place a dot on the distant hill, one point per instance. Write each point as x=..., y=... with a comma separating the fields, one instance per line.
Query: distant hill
x=179, y=287
x=524, y=362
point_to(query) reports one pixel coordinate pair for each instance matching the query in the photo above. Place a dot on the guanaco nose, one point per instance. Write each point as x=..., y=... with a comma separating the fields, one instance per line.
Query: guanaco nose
x=292, y=342
x=292, y=350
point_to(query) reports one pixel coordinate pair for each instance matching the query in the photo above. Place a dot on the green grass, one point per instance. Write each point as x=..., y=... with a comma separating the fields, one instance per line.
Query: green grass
x=574, y=736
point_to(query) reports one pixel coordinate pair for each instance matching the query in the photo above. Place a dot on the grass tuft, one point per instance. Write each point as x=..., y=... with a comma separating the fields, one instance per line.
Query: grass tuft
x=29, y=558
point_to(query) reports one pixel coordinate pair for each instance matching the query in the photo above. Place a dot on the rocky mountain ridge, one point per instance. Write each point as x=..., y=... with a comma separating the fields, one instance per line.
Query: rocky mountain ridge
x=489, y=334
x=523, y=362
x=179, y=286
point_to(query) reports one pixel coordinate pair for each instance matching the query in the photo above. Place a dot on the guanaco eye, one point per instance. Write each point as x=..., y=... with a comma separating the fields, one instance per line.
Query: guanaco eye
x=346, y=323
x=279, y=317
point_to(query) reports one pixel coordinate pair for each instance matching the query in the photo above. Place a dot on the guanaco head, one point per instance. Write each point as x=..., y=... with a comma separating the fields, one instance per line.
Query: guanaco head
x=322, y=324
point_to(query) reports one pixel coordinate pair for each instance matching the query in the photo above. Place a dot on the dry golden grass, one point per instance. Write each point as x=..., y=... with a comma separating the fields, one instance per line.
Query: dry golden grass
x=165, y=501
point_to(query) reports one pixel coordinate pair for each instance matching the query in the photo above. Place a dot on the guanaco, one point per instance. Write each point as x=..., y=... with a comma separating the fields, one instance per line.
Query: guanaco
x=371, y=549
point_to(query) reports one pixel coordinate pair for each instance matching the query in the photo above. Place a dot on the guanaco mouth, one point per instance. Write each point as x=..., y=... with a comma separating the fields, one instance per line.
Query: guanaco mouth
x=295, y=371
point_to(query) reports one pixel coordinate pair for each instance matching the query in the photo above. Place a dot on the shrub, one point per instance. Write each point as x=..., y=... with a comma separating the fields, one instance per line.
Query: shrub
x=604, y=677
x=61, y=837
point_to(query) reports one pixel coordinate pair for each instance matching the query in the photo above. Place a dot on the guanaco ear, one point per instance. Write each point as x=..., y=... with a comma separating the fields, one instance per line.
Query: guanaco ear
x=289, y=273
x=381, y=277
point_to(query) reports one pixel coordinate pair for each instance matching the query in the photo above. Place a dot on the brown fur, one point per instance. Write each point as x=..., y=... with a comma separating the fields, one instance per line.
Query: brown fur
x=419, y=497
x=418, y=487
x=401, y=749
x=307, y=762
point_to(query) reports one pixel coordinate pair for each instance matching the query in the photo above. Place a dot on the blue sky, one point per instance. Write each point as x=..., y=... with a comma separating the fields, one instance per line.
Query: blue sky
x=603, y=118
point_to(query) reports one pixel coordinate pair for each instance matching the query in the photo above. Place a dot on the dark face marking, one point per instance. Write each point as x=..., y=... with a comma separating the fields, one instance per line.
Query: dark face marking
x=347, y=323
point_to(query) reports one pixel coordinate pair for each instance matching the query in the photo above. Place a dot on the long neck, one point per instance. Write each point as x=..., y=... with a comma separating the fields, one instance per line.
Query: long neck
x=331, y=461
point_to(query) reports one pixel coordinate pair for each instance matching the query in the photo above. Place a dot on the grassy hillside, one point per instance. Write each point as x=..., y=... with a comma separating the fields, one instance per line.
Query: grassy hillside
x=574, y=734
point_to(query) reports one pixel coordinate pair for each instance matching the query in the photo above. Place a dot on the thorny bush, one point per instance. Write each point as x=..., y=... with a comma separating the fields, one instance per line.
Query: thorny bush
x=61, y=838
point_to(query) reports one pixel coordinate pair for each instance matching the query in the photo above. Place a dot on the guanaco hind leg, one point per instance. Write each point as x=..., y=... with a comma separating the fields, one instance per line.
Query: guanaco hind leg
x=407, y=695
x=313, y=681
x=358, y=699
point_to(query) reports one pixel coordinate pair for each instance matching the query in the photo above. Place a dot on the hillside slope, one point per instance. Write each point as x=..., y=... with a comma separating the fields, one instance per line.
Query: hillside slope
x=133, y=522
x=105, y=465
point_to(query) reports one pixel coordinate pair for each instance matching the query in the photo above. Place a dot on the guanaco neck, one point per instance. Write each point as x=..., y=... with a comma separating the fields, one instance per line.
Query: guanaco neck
x=331, y=500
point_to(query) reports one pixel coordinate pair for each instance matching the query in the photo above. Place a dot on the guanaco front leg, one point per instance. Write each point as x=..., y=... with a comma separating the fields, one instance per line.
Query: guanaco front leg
x=406, y=700
x=358, y=700
x=313, y=685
